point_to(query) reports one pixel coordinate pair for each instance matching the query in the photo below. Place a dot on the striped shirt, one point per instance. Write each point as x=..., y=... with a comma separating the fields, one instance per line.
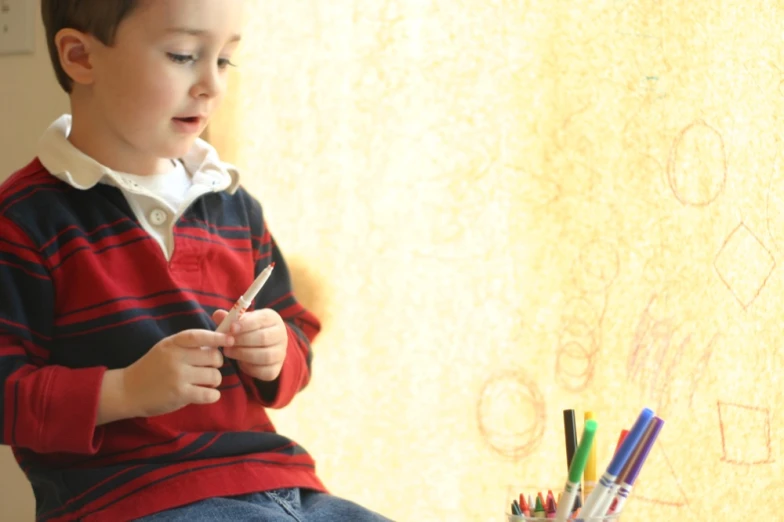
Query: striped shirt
x=85, y=289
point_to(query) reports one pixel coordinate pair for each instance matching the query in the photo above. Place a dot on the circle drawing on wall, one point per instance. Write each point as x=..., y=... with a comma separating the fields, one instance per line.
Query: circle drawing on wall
x=574, y=365
x=597, y=265
x=697, y=167
x=578, y=344
x=511, y=414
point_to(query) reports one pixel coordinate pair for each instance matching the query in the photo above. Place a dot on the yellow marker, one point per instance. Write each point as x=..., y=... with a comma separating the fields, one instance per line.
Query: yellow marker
x=589, y=475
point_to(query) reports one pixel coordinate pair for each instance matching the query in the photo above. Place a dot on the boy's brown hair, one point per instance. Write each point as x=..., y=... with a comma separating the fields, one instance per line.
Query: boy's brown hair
x=99, y=18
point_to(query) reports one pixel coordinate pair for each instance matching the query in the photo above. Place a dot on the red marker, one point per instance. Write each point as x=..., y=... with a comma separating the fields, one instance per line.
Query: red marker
x=621, y=438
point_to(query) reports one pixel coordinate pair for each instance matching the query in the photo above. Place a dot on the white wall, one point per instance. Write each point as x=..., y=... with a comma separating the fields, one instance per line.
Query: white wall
x=30, y=99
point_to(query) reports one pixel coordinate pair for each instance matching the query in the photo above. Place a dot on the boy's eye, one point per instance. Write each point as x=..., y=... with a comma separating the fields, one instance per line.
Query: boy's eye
x=181, y=58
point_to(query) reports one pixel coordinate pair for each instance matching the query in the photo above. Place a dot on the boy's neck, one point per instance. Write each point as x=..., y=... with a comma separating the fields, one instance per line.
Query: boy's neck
x=92, y=137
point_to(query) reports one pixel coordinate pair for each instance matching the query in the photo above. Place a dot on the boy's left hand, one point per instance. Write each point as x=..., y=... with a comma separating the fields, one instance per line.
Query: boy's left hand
x=260, y=341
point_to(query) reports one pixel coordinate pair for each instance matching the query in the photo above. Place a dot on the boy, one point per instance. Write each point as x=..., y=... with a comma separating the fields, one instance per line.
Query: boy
x=121, y=246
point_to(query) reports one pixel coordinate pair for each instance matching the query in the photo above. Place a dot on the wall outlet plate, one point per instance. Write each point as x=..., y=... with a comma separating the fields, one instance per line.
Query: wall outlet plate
x=17, y=26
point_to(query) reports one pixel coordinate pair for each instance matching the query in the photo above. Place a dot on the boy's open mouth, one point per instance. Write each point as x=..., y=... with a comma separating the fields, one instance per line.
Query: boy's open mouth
x=189, y=119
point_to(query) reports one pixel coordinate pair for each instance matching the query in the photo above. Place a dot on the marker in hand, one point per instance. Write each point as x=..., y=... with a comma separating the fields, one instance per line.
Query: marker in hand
x=245, y=300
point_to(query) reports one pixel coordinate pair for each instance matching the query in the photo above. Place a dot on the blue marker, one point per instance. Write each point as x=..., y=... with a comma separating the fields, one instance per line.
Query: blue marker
x=646, y=444
x=598, y=502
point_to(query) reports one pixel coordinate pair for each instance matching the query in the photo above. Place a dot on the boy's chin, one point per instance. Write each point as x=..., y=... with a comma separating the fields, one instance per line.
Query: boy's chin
x=178, y=150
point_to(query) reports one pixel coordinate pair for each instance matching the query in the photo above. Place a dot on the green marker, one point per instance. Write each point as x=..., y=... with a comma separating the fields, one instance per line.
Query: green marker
x=576, y=472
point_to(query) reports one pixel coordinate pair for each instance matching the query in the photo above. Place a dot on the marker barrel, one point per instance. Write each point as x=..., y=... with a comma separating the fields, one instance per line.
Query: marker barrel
x=567, y=501
x=621, y=497
x=598, y=502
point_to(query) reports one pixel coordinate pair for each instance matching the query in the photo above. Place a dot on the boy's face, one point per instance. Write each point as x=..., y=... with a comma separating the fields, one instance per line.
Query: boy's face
x=157, y=86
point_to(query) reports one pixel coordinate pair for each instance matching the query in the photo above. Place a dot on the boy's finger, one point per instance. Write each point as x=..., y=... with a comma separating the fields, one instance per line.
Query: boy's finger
x=260, y=338
x=198, y=338
x=209, y=377
x=219, y=315
x=206, y=356
x=257, y=356
x=267, y=373
x=202, y=395
x=258, y=319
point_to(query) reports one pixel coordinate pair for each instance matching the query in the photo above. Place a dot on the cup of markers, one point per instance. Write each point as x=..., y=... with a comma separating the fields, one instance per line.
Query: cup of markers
x=606, y=500
x=523, y=518
x=540, y=507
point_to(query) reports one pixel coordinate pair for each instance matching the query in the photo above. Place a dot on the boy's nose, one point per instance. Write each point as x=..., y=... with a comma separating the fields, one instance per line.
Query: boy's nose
x=209, y=85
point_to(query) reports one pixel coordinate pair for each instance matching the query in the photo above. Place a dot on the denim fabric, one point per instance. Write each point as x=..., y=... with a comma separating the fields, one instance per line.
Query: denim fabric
x=281, y=505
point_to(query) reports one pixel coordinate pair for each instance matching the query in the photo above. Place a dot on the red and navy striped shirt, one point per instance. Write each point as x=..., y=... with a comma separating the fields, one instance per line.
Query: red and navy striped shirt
x=86, y=289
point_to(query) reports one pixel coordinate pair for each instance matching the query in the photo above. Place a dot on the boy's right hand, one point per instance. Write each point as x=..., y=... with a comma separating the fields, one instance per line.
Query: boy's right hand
x=180, y=370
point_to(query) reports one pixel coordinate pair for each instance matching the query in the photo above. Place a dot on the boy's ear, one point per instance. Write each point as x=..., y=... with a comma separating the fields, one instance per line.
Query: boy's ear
x=74, y=48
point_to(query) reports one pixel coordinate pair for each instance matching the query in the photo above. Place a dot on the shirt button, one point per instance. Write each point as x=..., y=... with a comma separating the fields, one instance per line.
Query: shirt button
x=157, y=217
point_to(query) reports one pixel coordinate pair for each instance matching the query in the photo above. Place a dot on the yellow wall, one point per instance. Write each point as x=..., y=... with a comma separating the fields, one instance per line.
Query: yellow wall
x=503, y=209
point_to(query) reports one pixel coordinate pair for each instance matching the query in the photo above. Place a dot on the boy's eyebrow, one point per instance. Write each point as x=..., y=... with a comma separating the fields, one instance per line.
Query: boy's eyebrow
x=198, y=32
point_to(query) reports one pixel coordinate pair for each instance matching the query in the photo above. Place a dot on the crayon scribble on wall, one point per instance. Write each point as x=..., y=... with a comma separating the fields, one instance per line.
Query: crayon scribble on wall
x=504, y=209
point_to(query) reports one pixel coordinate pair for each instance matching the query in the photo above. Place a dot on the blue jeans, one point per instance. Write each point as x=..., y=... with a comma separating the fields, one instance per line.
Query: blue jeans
x=280, y=505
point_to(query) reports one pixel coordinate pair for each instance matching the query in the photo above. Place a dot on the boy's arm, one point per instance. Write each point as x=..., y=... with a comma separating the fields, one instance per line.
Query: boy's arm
x=301, y=328
x=43, y=407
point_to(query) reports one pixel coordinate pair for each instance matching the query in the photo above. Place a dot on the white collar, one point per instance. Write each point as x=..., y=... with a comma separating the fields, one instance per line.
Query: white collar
x=66, y=162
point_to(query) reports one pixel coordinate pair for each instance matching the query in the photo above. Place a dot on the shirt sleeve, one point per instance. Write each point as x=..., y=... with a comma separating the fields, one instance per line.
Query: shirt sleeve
x=43, y=407
x=301, y=326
